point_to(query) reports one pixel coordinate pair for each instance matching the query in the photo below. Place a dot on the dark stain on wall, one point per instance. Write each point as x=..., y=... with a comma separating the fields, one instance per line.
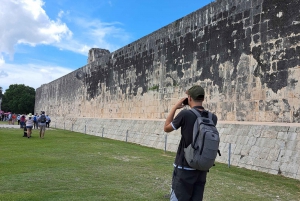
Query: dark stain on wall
x=221, y=32
x=279, y=19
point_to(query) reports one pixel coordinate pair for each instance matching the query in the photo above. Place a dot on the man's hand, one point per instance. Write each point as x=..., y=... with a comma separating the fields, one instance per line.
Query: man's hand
x=168, y=127
x=179, y=104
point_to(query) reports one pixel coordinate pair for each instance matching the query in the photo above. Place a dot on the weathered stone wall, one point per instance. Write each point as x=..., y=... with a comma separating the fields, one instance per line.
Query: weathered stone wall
x=245, y=53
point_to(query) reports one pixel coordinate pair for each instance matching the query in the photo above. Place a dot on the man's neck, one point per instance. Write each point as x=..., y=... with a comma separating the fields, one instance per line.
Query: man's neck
x=195, y=104
x=198, y=105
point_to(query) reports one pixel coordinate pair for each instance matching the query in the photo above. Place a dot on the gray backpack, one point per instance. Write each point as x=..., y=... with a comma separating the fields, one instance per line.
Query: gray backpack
x=202, y=152
x=43, y=118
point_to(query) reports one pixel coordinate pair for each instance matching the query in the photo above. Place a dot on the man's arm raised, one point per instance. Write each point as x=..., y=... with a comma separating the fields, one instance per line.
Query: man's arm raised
x=168, y=126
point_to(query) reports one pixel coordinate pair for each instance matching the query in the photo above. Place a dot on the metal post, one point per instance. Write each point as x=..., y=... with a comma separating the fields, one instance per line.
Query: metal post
x=229, y=154
x=85, y=129
x=64, y=126
x=72, y=127
x=166, y=138
x=126, y=135
x=102, y=131
x=55, y=124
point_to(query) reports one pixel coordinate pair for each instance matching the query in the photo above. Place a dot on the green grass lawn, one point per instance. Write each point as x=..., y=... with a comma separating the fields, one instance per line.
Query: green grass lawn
x=6, y=123
x=73, y=166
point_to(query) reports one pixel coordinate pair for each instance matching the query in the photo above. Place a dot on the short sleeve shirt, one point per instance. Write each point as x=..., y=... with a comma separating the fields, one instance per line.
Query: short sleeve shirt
x=185, y=120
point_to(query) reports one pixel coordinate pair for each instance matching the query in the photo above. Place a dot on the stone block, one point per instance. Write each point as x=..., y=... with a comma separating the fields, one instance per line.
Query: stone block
x=292, y=169
x=232, y=148
x=292, y=136
x=271, y=171
x=252, y=141
x=291, y=145
x=275, y=166
x=238, y=149
x=227, y=139
x=269, y=134
x=286, y=157
x=282, y=135
x=263, y=169
x=254, y=151
x=243, y=140
x=273, y=155
x=280, y=144
x=298, y=136
x=245, y=150
x=264, y=153
x=235, y=160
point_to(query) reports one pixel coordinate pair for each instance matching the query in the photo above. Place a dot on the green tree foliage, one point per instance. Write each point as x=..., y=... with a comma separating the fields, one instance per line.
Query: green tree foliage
x=19, y=98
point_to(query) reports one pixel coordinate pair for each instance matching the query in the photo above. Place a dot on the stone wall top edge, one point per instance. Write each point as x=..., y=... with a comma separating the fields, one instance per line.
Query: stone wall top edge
x=164, y=30
x=66, y=76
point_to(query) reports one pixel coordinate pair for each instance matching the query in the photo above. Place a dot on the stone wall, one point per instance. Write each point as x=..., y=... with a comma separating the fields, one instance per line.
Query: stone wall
x=271, y=148
x=245, y=53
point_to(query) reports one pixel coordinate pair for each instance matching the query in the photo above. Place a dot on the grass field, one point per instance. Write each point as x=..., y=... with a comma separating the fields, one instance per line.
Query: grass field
x=73, y=166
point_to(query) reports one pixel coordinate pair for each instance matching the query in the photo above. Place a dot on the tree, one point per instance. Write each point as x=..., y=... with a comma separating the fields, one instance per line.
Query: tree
x=19, y=98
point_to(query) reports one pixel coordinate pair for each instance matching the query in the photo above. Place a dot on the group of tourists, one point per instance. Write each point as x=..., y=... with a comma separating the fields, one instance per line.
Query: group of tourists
x=36, y=122
x=11, y=118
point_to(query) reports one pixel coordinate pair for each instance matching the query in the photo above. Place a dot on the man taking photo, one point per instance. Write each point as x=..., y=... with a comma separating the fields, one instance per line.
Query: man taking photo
x=187, y=183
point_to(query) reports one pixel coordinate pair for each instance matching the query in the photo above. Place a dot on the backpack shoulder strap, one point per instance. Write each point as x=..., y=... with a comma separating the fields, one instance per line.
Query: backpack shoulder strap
x=195, y=112
x=209, y=115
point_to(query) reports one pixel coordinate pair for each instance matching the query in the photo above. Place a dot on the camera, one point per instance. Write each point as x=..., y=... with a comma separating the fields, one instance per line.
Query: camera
x=185, y=102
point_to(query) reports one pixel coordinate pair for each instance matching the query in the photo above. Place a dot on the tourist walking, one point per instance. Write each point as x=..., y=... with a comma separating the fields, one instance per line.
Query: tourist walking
x=29, y=124
x=35, y=121
x=42, y=124
x=22, y=121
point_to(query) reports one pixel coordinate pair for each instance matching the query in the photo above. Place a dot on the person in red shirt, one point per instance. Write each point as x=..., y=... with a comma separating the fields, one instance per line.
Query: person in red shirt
x=13, y=117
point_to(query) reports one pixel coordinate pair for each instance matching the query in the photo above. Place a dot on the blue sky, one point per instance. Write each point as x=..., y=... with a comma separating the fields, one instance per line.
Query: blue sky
x=41, y=41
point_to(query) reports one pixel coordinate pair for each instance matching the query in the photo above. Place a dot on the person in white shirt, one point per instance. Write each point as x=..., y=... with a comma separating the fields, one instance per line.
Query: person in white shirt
x=18, y=118
x=48, y=120
x=9, y=118
x=29, y=124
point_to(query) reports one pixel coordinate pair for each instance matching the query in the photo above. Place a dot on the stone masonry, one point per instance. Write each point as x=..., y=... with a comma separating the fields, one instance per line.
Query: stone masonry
x=245, y=53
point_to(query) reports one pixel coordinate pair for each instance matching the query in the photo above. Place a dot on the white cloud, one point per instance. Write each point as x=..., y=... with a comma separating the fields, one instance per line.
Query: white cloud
x=94, y=33
x=27, y=22
x=101, y=34
x=3, y=74
x=31, y=74
x=61, y=14
x=2, y=61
